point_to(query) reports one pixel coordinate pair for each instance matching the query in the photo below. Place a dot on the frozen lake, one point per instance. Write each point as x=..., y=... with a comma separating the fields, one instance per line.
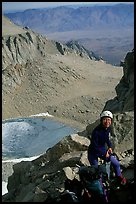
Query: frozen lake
x=32, y=136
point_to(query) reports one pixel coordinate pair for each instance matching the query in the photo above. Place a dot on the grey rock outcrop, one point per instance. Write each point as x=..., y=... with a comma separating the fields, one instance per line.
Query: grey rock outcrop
x=81, y=50
x=43, y=179
x=21, y=48
x=24, y=45
x=17, y=52
x=124, y=101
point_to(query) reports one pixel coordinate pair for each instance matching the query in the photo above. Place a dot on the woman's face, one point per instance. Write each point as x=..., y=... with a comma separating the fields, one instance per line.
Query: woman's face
x=106, y=121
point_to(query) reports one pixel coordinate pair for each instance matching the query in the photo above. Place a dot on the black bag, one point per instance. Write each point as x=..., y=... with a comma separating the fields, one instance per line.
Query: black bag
x=72, y=193
x=92, y=180
x=68, y=197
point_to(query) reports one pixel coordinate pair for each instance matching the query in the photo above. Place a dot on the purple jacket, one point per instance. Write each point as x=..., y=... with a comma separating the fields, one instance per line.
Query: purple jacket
x=99, y=140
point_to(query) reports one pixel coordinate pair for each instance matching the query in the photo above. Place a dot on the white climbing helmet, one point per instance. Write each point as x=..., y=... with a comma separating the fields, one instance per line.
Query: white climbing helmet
x=106, y=114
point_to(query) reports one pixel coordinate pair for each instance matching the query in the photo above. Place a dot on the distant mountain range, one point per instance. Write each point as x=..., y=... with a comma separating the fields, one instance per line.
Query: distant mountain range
x=64, y=18
x=107, y=30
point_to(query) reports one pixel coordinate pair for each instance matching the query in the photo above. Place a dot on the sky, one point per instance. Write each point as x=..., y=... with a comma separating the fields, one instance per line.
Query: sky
x=14, y=6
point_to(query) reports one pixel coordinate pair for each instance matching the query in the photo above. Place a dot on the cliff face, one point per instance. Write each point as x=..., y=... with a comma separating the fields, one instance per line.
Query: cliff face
x=124, y=101
x=17, y=52
x=20, y=48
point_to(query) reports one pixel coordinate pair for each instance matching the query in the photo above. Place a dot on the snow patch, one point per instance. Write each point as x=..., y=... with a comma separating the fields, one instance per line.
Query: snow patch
x=42, y=114
x=4, y=187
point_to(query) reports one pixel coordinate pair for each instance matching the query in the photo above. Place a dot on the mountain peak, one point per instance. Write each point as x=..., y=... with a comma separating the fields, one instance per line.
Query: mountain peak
x=10, y=28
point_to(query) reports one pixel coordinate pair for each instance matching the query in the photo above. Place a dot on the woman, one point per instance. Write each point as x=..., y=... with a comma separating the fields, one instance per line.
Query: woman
x=99, y=140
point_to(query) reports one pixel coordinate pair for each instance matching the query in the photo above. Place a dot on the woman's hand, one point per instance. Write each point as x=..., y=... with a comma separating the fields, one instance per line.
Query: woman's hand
x=109, y=151
x=107, y=154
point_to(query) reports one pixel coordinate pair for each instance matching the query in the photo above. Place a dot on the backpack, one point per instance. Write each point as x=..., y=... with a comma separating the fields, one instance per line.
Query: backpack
x=90, y=188
x=92, y=179
x=72, y=192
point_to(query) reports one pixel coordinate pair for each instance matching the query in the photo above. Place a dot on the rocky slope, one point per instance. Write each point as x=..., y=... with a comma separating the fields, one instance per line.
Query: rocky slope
x=40, y=75
x=8, y=28
x=43, y=179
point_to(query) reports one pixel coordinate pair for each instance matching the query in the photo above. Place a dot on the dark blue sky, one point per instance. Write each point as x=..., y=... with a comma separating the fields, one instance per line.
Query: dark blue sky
x=13, y=6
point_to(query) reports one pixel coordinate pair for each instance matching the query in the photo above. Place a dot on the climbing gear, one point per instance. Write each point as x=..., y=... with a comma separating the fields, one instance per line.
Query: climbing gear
x=106, y=114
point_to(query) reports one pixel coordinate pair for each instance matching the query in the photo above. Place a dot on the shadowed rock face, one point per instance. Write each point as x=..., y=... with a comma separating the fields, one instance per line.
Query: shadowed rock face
x=124, y=101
